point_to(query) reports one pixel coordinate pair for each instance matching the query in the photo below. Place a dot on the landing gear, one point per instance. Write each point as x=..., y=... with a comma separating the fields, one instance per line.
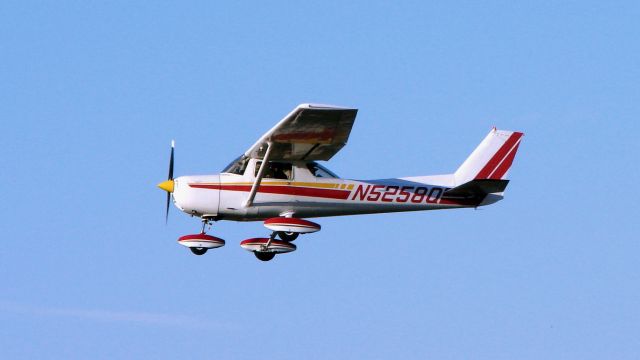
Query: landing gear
x=286, y=230
x=266, y=249
x=264, y=256
x=200, y=243
x=198, y=251
x=287, y=236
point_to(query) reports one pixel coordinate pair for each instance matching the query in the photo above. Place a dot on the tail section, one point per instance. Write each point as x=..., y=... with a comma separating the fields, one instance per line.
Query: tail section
x=477, y=192
x=491, y=159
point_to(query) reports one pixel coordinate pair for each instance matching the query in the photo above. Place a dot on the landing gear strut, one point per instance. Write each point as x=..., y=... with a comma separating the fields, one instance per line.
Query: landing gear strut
x=205, y=221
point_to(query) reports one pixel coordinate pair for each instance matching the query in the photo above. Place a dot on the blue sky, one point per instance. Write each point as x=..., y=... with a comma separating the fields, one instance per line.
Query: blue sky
x=92, y=93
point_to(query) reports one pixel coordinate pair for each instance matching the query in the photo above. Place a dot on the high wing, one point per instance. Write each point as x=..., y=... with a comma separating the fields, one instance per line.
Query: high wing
x=310, y=132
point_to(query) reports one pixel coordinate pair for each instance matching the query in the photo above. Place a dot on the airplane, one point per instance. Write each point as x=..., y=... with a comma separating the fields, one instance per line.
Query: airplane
x=280, y=181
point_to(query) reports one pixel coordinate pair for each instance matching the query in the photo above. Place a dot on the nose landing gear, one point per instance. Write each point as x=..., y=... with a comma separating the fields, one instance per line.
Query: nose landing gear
x=200, y=243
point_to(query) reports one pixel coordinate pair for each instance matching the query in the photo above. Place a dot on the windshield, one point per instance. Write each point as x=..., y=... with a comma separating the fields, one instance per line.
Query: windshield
x=237, y=166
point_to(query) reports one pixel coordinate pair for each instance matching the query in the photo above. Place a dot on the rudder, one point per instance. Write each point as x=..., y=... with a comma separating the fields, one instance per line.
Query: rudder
x=492, y=158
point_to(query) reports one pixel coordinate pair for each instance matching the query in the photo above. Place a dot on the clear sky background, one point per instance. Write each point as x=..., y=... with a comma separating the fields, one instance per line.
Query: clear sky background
x=91, y=94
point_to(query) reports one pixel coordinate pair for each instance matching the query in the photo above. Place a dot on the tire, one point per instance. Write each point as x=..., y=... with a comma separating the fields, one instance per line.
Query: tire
x=198, y=251
x=287, y=236
x=264, y=256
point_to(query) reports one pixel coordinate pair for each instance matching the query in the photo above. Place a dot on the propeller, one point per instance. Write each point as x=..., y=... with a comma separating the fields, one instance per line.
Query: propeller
x=168, y=184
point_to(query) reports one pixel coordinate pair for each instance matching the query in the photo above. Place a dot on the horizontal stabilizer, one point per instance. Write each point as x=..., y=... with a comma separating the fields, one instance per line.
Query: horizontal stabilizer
x=477, y=189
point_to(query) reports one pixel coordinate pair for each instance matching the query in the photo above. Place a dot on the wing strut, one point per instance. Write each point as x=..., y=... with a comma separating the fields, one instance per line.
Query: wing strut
x=256, y=183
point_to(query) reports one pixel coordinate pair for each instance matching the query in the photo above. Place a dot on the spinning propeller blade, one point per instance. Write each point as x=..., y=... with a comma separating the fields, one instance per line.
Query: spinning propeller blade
x=168, y=185
x=166, y=214
x=173, y=145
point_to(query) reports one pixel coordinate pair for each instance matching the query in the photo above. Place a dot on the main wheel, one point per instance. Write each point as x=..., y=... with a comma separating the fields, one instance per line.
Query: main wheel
x=198, y=251
x=264, y=256
x=287, y=236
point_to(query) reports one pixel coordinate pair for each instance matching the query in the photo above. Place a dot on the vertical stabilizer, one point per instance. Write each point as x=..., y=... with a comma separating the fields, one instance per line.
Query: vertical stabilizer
x=492, y=158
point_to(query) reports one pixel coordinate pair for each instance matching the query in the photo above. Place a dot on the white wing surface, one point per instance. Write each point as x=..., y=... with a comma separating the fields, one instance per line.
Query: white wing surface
x=310, y=132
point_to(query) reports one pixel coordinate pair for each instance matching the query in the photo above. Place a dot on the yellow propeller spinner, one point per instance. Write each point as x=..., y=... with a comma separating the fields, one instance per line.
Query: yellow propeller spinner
x=166, y=185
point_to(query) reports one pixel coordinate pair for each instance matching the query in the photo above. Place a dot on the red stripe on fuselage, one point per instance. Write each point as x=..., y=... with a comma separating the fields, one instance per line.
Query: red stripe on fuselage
x=490, y=167
x=282, y=190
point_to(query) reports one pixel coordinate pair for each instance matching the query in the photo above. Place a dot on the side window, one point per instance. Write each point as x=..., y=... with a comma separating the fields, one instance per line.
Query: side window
x=275, y=170
x=320, y=172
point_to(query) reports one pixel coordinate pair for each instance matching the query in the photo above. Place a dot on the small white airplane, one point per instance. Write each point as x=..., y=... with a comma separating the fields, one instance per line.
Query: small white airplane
x=279, y=181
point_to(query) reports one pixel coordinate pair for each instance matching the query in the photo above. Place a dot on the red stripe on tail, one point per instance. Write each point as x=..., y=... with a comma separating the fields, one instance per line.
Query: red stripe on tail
x=497, y=160
x=506, y=164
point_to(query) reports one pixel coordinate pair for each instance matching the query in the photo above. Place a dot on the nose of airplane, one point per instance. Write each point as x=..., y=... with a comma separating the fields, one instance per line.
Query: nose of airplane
x=167, y=185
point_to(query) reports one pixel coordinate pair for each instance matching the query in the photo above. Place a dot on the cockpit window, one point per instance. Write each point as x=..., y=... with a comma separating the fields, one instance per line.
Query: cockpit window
x=320, y=171
x=275, y=170
x=237, y=166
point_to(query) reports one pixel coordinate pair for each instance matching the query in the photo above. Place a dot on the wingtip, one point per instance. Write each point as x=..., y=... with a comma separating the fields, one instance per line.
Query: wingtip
x=325, y=106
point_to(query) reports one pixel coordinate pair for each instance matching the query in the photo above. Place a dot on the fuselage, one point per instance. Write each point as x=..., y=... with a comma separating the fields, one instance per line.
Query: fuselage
x=304, y=194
